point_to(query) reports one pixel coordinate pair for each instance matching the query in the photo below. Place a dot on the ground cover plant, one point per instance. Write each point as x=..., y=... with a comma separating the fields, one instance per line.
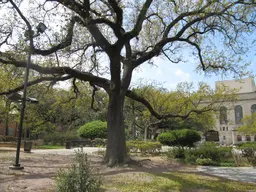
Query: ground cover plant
x=80, y=177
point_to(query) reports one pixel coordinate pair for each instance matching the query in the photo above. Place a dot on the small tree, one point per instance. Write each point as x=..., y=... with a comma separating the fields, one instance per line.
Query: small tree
x=183, y=137
x=249, y=124
x=94, y=129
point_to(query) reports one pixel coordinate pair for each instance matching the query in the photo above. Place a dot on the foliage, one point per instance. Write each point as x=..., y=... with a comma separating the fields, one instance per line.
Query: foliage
x=207, y=150
x=8, y=139
x=176, y=152
x=94, y=129
x=249, y=151
x=59, y=138
x=183, y=137
x=205, y=161
x=62, y=110
x=80, y=177
x=249, y=125
x=143, y=146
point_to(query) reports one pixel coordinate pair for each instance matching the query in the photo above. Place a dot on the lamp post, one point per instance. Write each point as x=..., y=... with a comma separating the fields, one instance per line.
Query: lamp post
x=40, y=29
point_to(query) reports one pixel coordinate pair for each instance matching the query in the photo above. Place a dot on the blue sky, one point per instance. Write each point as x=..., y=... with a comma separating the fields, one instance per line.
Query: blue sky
x=169, y=74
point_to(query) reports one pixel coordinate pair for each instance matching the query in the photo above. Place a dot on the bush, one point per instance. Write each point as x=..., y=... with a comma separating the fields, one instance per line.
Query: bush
x=143, y=146
x=209, y=150
x=177, y=152
x=98, y=142
x=183, y=137
x=249, y=152
x=59, y=138
x=190, y=159
x=7, y=139
x=205, y=161
x=94, y=129
x=79, y=177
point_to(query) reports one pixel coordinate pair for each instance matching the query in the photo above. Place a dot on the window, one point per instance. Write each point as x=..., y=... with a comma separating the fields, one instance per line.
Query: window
x=223, y=128
x=224, y=137
x=223, y=115
x=254, y=137
x=238, y=138
x=253, y=108
x=238, y=114
x=226, y=128
x=247, y=138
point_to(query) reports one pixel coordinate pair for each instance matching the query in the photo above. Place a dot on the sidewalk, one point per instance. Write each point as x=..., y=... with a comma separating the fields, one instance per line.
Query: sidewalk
x=245, y=174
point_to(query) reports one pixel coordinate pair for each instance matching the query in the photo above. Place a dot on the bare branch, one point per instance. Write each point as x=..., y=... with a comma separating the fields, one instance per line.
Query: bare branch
x=85, y=76
x=142, y=15
x=34, y=82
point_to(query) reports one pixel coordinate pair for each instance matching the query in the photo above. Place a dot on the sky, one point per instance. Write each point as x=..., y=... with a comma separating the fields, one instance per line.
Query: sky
x=169, y=74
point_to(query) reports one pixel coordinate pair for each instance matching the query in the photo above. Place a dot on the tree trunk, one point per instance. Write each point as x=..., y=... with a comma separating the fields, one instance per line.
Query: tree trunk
x=133, y=122
x=116, y=147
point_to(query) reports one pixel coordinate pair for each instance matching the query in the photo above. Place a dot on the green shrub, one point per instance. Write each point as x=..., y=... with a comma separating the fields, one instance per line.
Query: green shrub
x=94, y=129
x=191, y=159
x=205, y=161
x=143, y=146
x=182, y=137
x=177, y=152
x=59, y=138
x=249, y=152
x=208, y=150
x=98, y=142
x=79, y=177
x=7, y=138
x=167, y=138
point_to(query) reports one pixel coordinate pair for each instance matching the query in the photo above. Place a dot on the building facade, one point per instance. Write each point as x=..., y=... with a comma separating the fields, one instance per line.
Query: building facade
x=231, y=114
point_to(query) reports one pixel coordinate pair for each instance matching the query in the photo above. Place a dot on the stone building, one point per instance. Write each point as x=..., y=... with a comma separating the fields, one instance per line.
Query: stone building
x=230, y=115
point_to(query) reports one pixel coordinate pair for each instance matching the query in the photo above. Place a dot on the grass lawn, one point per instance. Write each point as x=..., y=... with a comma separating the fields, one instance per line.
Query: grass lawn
x=174, y=182
x=48, y=147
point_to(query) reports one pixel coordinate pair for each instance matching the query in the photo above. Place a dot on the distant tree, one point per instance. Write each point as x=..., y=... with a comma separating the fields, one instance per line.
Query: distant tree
x=87, y=38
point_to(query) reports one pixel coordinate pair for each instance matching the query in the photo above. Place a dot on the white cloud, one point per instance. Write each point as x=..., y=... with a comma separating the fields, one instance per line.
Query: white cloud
x=183, y=76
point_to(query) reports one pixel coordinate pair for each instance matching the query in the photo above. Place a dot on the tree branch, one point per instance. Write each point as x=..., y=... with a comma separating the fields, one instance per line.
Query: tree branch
x=142, y=100
x=85, y=76
x=142, y=15
x=34, y=82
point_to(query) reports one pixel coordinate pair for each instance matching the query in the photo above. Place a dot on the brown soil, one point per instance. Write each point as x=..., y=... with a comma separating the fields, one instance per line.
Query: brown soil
x=40, y=170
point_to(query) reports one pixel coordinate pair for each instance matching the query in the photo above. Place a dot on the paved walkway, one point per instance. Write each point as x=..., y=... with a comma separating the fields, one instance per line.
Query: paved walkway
x=88, y=150
x=245, y=174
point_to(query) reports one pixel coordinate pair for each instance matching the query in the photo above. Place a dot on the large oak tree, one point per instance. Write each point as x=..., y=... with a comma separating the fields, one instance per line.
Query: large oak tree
x=87, y=39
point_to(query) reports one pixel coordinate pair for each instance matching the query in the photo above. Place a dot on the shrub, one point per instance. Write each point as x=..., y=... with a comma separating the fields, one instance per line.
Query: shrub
x=183, y=137
x=208, y=150
x=191, y=159
x=143, y=146
x=205, y=161
x=249, y=152
x=177, y=152
x=98, y=142
x=79, y=177
x=59, y=138
x=94, y=129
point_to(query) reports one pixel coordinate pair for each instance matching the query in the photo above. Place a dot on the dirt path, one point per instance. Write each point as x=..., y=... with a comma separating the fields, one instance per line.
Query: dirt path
x=40, y=170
